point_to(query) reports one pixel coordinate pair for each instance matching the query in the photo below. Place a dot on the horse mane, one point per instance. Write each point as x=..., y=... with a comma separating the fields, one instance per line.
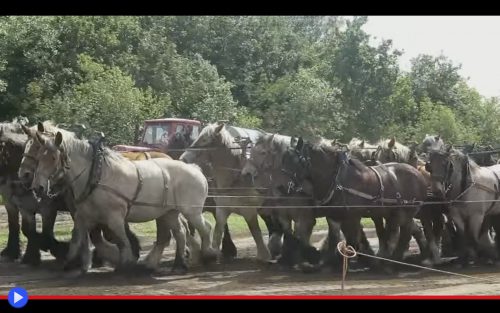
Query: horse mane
x=278, y=143
x=462, y=156
x=72, y=143
x=51, y=129
x=403, y=150
x=355, y=144
x=321, y=141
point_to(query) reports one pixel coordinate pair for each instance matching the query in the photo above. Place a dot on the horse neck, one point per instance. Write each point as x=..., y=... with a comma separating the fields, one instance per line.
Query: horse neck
x=460, y=180
x=80, y=165
x=225, y=164
x=323, y=181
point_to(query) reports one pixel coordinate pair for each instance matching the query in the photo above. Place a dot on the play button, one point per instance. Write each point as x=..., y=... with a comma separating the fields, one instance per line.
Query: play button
x=18, y=297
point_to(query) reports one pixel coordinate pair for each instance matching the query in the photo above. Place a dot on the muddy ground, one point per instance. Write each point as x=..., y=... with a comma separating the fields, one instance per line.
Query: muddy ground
x=243, y=276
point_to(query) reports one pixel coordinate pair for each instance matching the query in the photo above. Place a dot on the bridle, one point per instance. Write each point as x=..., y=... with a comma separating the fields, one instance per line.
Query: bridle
x=295, y=183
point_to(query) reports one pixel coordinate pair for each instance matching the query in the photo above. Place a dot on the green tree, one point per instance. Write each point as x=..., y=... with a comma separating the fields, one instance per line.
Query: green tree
x=366, y=75
x=106, y=101
x=303, y=104
x=435, y=78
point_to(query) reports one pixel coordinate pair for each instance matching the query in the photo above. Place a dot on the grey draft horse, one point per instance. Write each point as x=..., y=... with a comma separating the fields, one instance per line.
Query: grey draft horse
x=150, y=189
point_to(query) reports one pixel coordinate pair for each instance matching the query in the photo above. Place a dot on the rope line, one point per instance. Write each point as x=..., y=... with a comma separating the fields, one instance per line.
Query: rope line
x=349, y=252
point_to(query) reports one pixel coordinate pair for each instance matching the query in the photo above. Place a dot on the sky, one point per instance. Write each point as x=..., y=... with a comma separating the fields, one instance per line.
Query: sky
x=473, y=41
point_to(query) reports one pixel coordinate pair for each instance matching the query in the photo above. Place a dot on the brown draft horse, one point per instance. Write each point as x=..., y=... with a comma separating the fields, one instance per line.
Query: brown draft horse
x=394, y=191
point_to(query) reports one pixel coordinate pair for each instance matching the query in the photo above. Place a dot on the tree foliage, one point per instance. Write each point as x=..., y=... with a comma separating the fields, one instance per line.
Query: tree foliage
x=303, y=75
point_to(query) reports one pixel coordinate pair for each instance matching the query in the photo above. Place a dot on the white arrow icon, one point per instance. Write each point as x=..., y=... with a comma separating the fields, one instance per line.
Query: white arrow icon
x=17, y=297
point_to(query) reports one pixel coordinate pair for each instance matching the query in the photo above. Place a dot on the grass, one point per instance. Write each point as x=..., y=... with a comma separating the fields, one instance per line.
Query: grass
x=237, y=227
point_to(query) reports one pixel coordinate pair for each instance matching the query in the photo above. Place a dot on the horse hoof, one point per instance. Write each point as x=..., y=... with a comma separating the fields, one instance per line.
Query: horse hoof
x=97, y=261
x=209, y=257
x=427, y=263
x=229, y=253
x=179, y=270
x=9, y=255
x=308, y=268
x=134, y=269
x=60, y=251
x=31, y=260
x=74, y=273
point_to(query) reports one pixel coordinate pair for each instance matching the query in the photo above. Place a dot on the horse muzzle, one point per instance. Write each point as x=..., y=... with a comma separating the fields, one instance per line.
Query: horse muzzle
x=438, y=190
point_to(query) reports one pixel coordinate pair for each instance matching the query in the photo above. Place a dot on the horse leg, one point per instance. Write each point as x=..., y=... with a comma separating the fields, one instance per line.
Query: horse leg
x=432, y=248
x=12, y=251
x=288, y=255
x=329, y=247
x=438, y=229
x=134, y=242
x=351, y=227
x=221, y=216
x=263, y=253
x=195, y=217
x=449, y=245
x=392, y=231
x=303, y=230
x=179, y=232
x=58, y=249
x=420, y=237
x=104, y=250
x=163, y=237
x=460, y=238
x=379, y=229
x=407, y=228
x=275, y=232
x=495, y=223
x=28, y=226
x=117, y=225
x=79, y=238
x=476, y=224
x=229, y=250
x=304, y=227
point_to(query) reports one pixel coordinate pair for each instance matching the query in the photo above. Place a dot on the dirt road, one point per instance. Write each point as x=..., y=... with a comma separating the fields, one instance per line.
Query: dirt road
x=243, y=276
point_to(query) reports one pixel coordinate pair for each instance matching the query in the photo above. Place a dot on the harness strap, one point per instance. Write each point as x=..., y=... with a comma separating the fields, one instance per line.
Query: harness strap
x=165, y=185
x=380, y=197
x=131, y=202
x=379, y=178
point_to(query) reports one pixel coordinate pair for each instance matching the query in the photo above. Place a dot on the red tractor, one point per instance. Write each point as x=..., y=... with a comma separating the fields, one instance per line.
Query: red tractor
x=167, y=135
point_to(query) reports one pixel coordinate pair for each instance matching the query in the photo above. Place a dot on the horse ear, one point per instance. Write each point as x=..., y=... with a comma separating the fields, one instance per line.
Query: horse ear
x=219, y=127
x=362, y=144
x=293, y=141
x=437, y=137
x=40, y=127
x=40, y=138
x=448, y=148
x=300, y=144
x=392, y=142
x=59, y=139
x=334, y=142
x=26, y=130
